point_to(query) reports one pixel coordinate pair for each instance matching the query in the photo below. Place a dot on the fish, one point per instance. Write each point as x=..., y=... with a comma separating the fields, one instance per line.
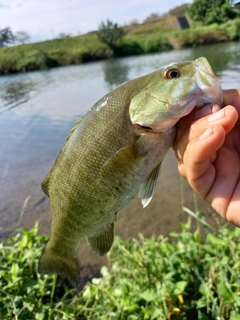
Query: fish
x=113, y=154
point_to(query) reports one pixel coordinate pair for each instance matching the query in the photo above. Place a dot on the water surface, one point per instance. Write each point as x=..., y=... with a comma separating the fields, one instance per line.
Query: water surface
x=38, y=109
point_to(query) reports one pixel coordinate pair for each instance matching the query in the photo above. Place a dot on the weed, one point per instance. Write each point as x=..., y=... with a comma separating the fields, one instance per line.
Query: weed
x=186, y=277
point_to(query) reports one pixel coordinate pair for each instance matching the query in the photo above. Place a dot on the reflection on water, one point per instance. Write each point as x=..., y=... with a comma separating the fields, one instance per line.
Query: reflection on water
x=38, y=109
x=16, y=93
x=115, y=72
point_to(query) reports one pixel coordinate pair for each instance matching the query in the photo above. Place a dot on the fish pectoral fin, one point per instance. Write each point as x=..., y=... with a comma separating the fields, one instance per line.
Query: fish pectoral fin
x=50, y=262
x=101, y=242
x=122, y=163
x=147, y=189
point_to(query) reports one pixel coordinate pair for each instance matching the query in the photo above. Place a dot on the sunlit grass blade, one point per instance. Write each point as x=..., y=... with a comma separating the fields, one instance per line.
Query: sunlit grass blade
x=199, y=219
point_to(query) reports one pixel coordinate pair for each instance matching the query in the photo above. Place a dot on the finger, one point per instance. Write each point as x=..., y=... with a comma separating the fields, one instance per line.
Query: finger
x=225, y=117
x=185, y=122
x=196, y=163
x=233, y=207
x=232, y=97
x=223, y=190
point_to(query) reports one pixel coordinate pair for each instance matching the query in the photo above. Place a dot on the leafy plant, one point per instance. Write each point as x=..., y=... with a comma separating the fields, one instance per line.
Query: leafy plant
x=24, y=294
x=110, y=33
x=211, y=11
x=186, y=277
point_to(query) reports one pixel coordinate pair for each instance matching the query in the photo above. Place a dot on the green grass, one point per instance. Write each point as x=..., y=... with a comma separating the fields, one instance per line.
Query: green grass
x=52, y=53
x=185, y=277
x=229, y=31
x=140, y=39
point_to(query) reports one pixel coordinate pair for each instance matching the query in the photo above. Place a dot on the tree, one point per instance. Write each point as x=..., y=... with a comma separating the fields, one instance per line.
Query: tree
x=152, y=18
x=179, y=11
x=211, y=11
x=63, y=35
x=6, y=37
x=22, y=37
x=110, y=33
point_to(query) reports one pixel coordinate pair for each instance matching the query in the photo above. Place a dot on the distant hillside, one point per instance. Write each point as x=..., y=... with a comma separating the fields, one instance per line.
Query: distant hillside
x=164, y=23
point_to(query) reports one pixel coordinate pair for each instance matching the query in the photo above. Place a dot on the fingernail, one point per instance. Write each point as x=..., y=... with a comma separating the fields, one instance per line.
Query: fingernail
x=217, y=116
x=207, y=133
x=206, y=110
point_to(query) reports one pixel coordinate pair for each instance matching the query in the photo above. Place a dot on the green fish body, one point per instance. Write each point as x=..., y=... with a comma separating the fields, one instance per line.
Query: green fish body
x=113, y=154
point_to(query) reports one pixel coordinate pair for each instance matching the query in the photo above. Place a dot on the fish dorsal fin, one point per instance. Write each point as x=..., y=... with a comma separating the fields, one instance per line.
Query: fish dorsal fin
x=148, y=187
x=45, y=183
x=74, y=127
x=101, y=242
x=47, y=180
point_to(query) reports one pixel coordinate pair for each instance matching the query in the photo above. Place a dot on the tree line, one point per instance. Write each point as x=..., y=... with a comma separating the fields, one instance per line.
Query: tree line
x=7, y=37
x=204, y=12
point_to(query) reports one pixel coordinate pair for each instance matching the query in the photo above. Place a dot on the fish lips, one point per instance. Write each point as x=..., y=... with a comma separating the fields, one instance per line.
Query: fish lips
x=208, y=93
x=205, y=95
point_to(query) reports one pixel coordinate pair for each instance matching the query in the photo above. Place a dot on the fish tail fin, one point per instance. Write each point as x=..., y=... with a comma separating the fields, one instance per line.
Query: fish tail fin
x=50, y=262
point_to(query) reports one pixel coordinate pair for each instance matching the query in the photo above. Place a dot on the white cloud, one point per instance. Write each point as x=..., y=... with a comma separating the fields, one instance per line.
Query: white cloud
x=44, y=19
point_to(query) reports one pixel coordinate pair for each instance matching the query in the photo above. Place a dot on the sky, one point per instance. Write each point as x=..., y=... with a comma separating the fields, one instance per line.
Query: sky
x=46, y=19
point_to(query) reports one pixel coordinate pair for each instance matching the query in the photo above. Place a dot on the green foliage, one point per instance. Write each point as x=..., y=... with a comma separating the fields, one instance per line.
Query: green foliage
x=152, y=17
x=209, y=34
x=53, y=53
x=233, y=29
x=185, y=278
x=142, y=44
x=110, y=33
x=211, y=11
x=156, y=279
x=6, y=36
x=24, y=294
x=179, y=11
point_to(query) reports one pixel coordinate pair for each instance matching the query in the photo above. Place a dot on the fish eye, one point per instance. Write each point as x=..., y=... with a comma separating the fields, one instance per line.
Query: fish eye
x=172, y=73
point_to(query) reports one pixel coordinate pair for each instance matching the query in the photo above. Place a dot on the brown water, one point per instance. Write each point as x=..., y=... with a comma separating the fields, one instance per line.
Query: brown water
x=38, y=109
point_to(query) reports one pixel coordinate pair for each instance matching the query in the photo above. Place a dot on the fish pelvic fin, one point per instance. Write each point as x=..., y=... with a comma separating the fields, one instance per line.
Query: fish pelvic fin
x=50, y=262
x=146, y=191
x=102, y=241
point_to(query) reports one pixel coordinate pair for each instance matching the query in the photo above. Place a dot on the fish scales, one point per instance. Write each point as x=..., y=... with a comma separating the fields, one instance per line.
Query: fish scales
x=113, y=154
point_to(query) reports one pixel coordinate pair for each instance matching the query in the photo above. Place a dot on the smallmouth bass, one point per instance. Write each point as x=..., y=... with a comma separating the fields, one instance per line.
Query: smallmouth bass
x=113, y=154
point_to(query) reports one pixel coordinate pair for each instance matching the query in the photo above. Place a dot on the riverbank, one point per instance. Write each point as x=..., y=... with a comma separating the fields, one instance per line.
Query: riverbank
x=190, y=277
x=138, y=40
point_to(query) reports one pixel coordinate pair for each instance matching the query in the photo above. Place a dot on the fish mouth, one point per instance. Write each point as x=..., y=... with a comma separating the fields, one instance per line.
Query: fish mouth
x=141, y=128
x=209, y=85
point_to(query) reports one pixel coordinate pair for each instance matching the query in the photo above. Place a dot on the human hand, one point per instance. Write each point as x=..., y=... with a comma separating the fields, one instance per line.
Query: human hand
x=207, y=146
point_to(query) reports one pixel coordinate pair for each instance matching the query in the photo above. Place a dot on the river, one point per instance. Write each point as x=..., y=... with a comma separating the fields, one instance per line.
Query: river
x=37, y=110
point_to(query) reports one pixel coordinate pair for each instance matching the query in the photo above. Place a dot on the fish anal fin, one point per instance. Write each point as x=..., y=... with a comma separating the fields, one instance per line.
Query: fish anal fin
x=147, y=189
x=50, y=262
x=102, y=241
